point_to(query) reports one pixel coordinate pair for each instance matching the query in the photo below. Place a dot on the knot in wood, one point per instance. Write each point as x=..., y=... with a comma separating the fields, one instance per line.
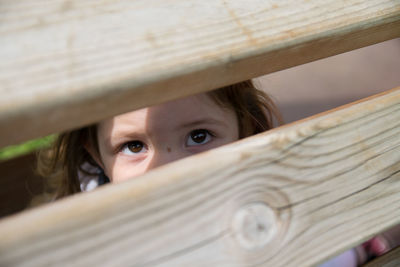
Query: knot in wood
x=254, y=225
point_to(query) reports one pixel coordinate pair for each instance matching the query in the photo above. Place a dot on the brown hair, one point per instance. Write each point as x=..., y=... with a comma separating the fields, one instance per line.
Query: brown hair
x=256, y=112
x=62, y=162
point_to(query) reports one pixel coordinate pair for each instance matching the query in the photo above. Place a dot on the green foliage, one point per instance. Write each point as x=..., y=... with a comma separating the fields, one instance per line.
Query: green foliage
x=25, y=148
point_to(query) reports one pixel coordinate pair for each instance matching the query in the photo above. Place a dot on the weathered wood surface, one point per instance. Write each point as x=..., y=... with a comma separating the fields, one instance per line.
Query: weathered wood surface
x=291, y=197
x=390, y=259
x=66, y=63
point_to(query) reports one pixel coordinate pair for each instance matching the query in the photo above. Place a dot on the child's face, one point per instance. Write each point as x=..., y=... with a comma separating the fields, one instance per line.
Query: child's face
x=135, y=142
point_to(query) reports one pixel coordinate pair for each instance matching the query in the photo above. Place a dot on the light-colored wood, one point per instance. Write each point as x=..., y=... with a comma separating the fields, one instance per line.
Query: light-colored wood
x=390, y=259
x=294, y=196
x=67, y=63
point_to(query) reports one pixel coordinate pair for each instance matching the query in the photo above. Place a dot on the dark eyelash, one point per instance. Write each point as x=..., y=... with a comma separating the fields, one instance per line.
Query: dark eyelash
x=119, y=147
x=208, y=131
x=211, y=133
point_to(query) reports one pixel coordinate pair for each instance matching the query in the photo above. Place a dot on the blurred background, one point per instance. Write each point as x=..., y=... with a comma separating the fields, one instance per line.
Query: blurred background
x=321, y=85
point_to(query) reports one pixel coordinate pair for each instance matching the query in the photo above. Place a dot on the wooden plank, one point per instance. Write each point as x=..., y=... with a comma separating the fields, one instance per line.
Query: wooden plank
x=293, y=196
x=390, y=259
x=65, y=64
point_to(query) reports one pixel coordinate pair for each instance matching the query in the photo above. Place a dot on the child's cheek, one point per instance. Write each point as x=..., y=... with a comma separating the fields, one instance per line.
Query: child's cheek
x=201, y=148
x=131, y=158
x=127, y=167
x=214, y=143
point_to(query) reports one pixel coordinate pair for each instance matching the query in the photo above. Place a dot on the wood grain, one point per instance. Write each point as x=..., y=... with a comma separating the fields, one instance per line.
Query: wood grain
x=68, y=63
x=293, y=196
x=390, y=259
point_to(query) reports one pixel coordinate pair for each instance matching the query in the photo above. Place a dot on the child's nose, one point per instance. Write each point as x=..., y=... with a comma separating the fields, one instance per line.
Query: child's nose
x=164, y=157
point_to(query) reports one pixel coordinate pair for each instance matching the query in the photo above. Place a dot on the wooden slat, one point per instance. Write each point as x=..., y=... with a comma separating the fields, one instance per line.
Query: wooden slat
x=293, y=196
x=390, y=259
x=64, y=64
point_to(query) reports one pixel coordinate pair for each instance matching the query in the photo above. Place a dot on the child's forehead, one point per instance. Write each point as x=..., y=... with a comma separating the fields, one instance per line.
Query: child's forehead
x=185, y=110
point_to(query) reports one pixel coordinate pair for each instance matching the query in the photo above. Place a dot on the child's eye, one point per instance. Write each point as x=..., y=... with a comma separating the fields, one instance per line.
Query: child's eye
x=198, y=137
x=133, y=147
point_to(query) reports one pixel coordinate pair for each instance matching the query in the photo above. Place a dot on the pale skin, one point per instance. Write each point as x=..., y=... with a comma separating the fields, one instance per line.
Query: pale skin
x=134, y=143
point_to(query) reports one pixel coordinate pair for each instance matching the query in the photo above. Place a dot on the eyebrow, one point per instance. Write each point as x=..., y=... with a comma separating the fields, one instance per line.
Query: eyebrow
x=203, y=121
x=120, y=137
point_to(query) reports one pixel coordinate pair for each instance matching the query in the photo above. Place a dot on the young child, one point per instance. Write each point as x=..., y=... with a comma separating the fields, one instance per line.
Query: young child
x=130, y=144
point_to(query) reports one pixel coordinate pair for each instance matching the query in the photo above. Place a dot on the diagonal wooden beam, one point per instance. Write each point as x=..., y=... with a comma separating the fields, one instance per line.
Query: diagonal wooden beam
x=64, y=64
x=294, y=196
